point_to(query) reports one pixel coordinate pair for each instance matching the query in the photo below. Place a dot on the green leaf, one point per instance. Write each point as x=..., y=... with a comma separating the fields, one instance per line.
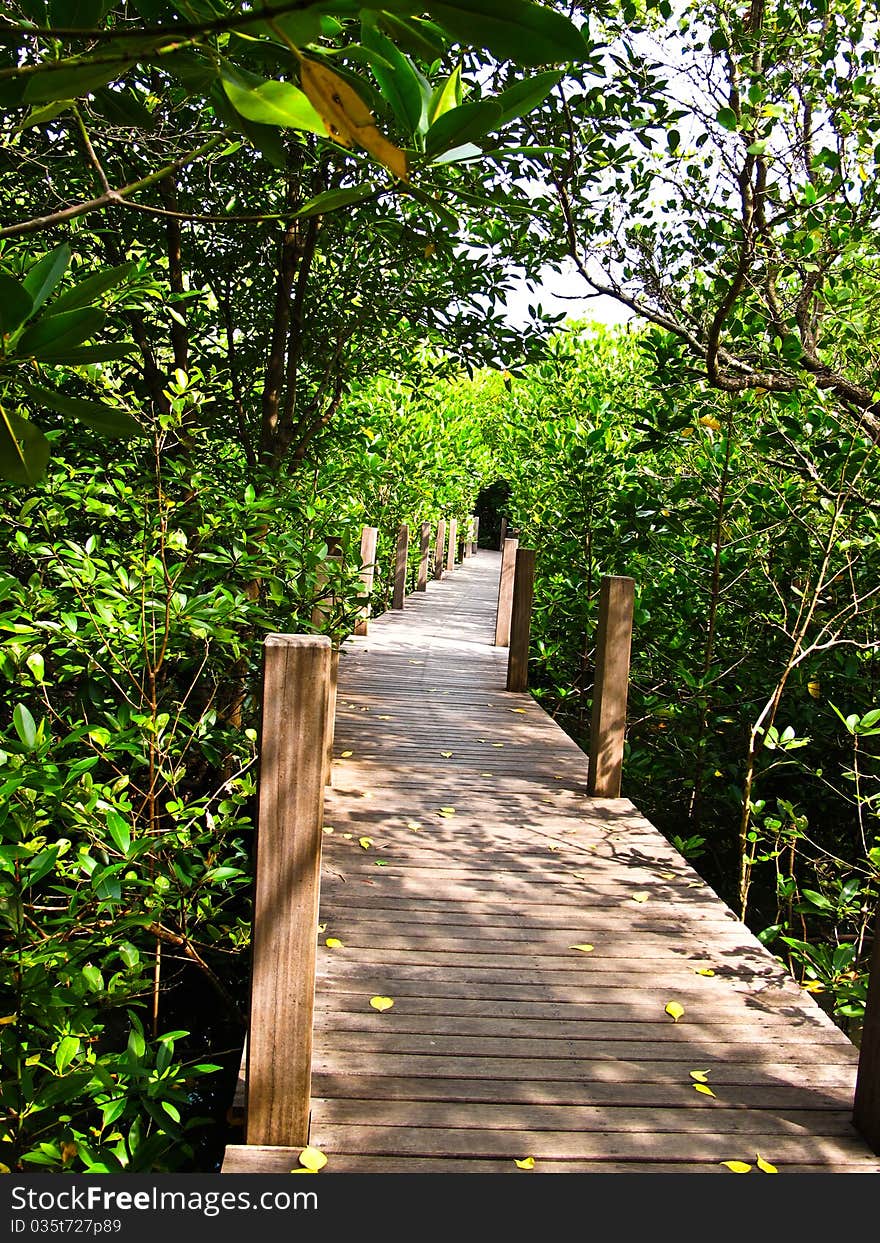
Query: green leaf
x=517, y=100
x=273, y=103
x=512, y=30
x=421, y=38
x=400, y=85
x=15, y=305
x=119, y=832
x=71, y=80
x=332, y=200
x=42, y=114
x=93, y=978
x=107, y=420
x=54, y=334
x=44, y=276
x=447, y=96
x=727, y=118
x=67, y=1049
x=25, y=726
x=24, y=450
x=86, y=291
x=462, y=125
x=124, y=108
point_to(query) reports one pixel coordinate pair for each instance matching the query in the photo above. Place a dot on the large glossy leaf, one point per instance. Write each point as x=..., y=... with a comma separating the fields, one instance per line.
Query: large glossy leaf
x=447, y=95
x=124, y=108
x=402, y=86
x=85, y=293
x=511, y=30
x=517, y=100
x=462, y=125
x=104, y=419
x=44, y=276
x=70, y=81
x=267, y=139
x=421, y=38
x=15, y=305
x=332, y=200
x=53, y=334
x=273, y=103
x=24, y=450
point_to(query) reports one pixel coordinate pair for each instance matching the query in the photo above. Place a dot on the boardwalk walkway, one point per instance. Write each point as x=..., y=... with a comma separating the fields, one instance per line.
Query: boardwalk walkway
x=462, y=864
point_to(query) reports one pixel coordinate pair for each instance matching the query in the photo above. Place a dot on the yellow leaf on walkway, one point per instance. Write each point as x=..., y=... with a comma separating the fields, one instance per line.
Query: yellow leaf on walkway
x=487, y=774
x=328, y=829
x=699, y=1075
x=415, y=825
x=497, y=744
x=675, y=1010
x=446, y=811
x=383, y=718
x=345, y=755
x=334, y=943
x=642, y=896
x=365, y=842
x=312, y=1159
x=447, y=755
x=527, y=1163
x=514, y=709
x=765, y=1166
x=703, y=971
x=702, y=1087
x=738, y=1167
x=381, y=1003
x=585, y=949
x=349, y=120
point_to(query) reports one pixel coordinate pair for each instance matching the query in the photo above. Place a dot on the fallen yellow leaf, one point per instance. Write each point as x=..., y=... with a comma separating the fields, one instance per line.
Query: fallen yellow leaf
x=312, y=1159
x=414, y=825
x=381, y=1003
x=703, y=971
x=585, y=949
x=699, y=1075
x=765, y=1166
x=674, y=1010
x=702, y=1087
x=486, y=774
x=345, y=755
x=514, y=709
x=334, y=943
x=349, y=120
x=497, y=744
x=383, y=718
x=642, y=896
x=738, y=1167
x=527, y=1163
x=327, y=829
x=365, y=842
x=552, y=847
x=447, y=755
x=322, y=927
x=446, y=811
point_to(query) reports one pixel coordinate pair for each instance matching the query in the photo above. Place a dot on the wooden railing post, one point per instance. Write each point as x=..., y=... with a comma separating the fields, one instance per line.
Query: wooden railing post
x=332, y=696
x=424, y=549
x=475, y=534
x=503, y=533
x=296, y=679
x=439, y=545
x=521, y=619
x=866, y=1108
x=452, y=544
x=401, y=561
x=505, y=593
x=613, y=644
x=369, y=535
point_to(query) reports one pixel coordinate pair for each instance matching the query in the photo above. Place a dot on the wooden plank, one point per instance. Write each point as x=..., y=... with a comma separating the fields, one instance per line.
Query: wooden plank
x=439, y=545
x=587, y=1145
x=608, y=724
x=452, y=544
x=369, y=536
x=505, y=592
x=866, y=1110
x=521, y=620
x=424, y=550
x=295, y=692
x=332, y=698
x=401, y=559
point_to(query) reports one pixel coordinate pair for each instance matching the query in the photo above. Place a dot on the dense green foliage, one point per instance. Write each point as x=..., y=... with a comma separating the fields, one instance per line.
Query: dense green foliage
x=751, y=529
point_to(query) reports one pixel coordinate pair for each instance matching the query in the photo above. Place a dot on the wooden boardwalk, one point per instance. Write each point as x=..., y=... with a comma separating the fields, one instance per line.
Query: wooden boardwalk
x=462, y=863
